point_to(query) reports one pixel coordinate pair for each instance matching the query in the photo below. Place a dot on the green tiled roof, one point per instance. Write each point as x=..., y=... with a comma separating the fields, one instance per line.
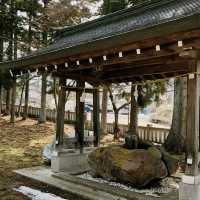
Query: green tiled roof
x=132, y=24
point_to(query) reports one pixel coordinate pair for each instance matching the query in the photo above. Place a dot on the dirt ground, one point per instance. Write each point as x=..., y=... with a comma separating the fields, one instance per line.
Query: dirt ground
x=20, y=147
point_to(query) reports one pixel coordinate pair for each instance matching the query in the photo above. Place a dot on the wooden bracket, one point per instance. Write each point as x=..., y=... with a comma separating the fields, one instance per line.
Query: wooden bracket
x=189, y=54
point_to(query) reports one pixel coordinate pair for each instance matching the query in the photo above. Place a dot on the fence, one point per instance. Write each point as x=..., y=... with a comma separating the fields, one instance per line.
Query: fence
x=34, y=112
x=152, y=134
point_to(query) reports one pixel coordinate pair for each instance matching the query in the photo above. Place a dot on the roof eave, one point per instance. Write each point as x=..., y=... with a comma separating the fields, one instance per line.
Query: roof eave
x=182, y=25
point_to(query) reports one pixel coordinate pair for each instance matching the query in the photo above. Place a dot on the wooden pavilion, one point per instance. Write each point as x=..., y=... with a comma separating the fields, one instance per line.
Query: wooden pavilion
x=151, y=41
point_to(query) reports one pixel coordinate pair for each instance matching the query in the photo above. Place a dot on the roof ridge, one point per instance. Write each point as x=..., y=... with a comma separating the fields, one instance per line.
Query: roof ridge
x=139, y=8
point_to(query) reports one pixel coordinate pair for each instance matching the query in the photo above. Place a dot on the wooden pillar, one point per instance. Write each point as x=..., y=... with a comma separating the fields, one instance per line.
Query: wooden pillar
x=192, y=136
x=61, y=113
x=12, y=117
x=96, y=118
x=42, y=118
x=190, y=185
x=80, y=118
x=104, y=109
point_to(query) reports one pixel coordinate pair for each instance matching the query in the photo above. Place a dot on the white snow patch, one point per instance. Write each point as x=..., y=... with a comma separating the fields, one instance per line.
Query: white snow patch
x=155, y=192
x=36, y=194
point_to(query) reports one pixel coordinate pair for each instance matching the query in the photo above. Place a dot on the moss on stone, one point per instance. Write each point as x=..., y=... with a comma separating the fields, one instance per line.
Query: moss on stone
x=155, y=152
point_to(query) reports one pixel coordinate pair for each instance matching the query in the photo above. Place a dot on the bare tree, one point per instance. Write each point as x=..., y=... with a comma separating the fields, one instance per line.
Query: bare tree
x=117, y=109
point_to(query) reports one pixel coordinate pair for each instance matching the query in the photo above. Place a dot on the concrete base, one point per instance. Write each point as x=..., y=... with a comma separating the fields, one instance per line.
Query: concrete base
x=86, y=189
x=189, y=192
x=70, y=160
x=189, y=188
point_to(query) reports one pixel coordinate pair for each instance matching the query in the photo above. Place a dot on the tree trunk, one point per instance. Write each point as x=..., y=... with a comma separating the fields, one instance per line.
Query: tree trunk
x=12, y=117
x=15, y=37
x=25, y=115
x=8, y=97
x=116, y=125
x=30, y=15
x=1, y=98
x=1, y=46
x=20, y=101
x=133, y=127
x=1, y=59
x=175, y=142
x=104, y=111
x=42, y=118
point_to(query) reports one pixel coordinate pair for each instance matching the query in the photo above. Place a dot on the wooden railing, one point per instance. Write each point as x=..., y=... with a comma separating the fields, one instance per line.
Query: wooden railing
x=152, y=134
x=34, y=112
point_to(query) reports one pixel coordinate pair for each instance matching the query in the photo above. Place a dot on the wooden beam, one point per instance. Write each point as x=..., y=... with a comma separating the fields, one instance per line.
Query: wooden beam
x=190, y=54
x=78, y=76
x=123, y=72
x=131, y=57
x=96, y=117
x=60, y=120
x=137, y=79
x=150, y=62
x=12, y=117
x=146, y=70
x=74, y=89
x=125, y=44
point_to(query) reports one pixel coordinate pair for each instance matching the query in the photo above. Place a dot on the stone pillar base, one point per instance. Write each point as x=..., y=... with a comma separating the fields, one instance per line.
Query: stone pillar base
x=70, y=160
x=189, y=188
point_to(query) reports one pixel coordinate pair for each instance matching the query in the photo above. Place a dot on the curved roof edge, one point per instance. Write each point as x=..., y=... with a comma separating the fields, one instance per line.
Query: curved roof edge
x=142, y=7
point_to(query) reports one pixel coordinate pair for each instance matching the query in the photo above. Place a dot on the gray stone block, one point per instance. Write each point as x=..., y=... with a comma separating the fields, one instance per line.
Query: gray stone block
x=70, y=160
x=189, y=191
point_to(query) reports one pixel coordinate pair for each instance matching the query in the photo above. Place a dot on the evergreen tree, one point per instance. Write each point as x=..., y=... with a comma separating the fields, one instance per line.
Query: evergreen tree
x=110, y=6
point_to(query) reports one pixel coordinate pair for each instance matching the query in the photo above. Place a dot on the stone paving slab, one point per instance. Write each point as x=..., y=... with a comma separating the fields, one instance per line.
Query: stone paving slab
x=85, y=188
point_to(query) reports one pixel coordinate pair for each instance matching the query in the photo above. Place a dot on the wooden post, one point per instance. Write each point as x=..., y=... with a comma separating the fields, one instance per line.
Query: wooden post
x=190, y=185
x=60, y=121
x=80, y=118
x=42, y=118
x=96, y=118
x=12, y=117
x=192, y=136
x=104, y=110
